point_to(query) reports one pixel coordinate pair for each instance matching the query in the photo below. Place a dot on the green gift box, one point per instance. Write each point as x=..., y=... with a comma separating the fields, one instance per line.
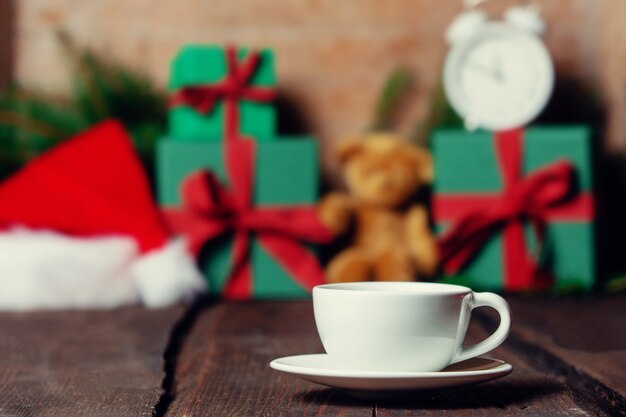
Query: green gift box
x=469, y=178
x=285, y=174
x=207, y=66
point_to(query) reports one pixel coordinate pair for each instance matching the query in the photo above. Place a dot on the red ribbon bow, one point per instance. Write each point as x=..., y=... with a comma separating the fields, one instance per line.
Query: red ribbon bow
x=209, y=209
x=534, y=199
x=231, y=89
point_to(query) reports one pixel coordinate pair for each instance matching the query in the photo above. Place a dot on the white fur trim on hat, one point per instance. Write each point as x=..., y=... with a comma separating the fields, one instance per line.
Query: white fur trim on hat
x=167, y=275
x=44, y=269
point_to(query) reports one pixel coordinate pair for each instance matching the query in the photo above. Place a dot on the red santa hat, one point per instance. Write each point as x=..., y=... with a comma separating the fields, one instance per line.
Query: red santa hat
x=79, y=228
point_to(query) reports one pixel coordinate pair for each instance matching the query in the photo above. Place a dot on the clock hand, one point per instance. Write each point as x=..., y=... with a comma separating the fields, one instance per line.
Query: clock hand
x=497, y=67
x=485, y=70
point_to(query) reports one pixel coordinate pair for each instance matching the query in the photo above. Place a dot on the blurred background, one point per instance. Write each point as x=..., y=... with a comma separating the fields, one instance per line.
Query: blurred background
x=334, y=59
x=333, y=56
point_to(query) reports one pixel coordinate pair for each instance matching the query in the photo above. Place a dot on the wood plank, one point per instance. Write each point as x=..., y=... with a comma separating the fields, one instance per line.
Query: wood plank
x=223, y=366
x=223, y=370
x=527, y=391
x=83, y=363
x=589, y=334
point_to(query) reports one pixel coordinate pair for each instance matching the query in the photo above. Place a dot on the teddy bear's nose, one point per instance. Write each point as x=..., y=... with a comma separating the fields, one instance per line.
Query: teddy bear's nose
x=382, y=180
x=375, y=175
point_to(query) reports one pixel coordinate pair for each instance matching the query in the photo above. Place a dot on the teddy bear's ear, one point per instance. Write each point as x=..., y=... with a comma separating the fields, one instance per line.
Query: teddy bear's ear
x=348, y=148
x=423, y=162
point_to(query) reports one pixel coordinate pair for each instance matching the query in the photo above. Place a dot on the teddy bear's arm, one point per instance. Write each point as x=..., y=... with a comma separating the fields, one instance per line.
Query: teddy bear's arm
x=335, y=211
x=422, y=243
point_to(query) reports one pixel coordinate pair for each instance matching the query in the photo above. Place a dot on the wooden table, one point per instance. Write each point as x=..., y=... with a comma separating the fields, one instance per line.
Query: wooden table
x=569, y=358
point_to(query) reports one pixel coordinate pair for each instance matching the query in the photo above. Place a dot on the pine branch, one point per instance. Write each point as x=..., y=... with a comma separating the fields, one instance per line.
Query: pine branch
x=20, y=121
x=31, y=121
x=85, y=82
x=393, y=92
x=440, y=115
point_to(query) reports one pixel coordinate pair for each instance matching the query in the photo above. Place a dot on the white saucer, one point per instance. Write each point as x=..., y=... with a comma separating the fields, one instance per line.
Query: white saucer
x=318, y=368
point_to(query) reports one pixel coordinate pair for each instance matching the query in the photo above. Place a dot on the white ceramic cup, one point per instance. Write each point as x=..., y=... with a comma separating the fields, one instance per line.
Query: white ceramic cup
x=402, y=326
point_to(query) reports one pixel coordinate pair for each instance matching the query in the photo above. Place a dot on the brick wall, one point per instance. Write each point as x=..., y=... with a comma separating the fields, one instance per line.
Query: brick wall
x=333, y=55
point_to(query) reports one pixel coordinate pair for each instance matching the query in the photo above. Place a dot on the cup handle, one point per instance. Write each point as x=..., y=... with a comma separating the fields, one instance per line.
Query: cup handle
x=485, y=299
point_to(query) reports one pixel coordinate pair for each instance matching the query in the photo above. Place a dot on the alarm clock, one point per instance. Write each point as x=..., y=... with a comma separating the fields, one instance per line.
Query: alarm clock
x=498, y=75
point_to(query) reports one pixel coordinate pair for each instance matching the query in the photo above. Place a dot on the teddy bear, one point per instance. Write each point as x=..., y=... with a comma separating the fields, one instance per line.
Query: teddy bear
x=392, y=239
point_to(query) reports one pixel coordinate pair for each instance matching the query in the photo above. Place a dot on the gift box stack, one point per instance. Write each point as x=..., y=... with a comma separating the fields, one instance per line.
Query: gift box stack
x=242, y=196
x=515, y=209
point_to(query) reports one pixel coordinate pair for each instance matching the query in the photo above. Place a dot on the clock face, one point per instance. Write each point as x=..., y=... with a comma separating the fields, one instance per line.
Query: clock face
x=499, y=78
